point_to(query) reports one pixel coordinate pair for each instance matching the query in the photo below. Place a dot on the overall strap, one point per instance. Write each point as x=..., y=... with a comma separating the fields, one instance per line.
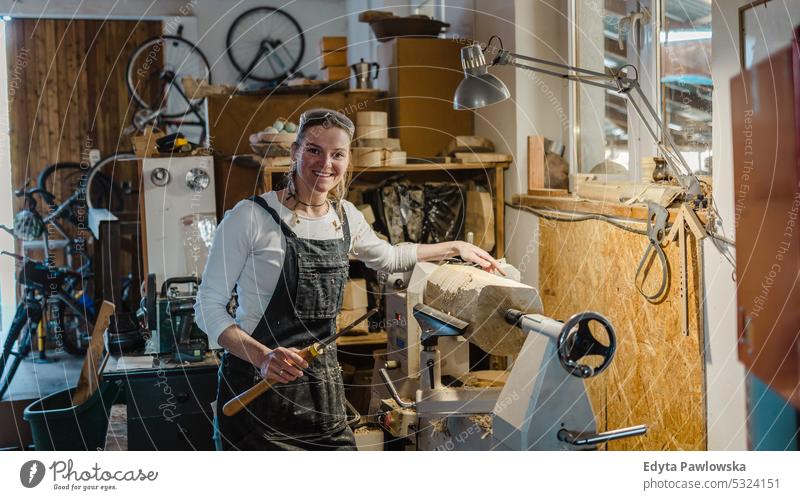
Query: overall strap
x=345, y=224
x=287, y=231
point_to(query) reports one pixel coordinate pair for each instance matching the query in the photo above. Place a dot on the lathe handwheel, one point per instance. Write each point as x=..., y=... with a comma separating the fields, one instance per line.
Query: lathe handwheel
x=577, y=341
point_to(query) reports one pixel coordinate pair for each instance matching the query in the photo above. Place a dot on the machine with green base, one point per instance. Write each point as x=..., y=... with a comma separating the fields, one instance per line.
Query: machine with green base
x=170, y=320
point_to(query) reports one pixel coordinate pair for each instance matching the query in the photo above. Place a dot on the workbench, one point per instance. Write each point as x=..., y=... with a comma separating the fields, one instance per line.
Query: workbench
x=168, y=403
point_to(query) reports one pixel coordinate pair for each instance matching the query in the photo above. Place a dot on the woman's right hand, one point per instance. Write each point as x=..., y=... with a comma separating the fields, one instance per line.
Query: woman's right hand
x=282, y=365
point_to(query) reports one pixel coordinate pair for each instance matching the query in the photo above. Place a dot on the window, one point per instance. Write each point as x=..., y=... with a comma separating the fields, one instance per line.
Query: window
x=608, y=135
x=602, y=114
x=685, y=41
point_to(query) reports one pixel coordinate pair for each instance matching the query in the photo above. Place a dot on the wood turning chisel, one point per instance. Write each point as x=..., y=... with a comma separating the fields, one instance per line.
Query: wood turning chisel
x=238, y=403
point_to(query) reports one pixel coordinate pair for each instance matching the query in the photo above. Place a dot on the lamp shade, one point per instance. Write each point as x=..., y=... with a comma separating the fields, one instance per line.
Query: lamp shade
x=477, y=91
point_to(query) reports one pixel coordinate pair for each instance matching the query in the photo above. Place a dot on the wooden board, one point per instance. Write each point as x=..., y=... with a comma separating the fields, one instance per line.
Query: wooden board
x=422, y=75
x=548, y=192
x=60, y=108
x=537, y=171
x=576, y=205
x=657, y=377
x=69, y=96
x=89, y=380
x=483, y=157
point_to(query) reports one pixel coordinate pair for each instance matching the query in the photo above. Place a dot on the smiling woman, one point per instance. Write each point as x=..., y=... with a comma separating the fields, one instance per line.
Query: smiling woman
x=287, y=252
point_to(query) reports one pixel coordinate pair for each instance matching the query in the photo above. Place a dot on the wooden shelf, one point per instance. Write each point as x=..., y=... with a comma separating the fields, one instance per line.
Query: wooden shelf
x=368, y=339
x=494, y=170
x=408, y=167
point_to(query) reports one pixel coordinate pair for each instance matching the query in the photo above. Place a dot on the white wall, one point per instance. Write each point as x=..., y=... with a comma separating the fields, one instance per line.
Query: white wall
x=7, y=265
x=724, y=374
x=537, y=106
x=317, y=18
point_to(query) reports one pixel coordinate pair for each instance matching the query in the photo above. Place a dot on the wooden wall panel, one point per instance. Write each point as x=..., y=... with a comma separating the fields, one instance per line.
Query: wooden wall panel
x=72, y=94
x=657, y=377
x=71, y=97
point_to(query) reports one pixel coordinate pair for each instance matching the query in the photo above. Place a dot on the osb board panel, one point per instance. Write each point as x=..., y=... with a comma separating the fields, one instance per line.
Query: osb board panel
x=657, y=376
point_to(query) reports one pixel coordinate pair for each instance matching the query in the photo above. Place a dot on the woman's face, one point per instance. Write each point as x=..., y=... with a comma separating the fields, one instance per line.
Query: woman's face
x=322, y=158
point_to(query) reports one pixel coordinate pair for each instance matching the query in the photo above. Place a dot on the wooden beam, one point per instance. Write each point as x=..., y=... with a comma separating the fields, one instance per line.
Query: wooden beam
x=537, y=169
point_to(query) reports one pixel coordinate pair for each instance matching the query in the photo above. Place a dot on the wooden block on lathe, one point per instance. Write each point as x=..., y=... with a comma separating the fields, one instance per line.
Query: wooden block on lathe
x=481, y=299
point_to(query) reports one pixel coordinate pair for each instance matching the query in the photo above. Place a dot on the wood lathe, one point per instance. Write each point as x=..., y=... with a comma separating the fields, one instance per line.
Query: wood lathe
x=539, y=404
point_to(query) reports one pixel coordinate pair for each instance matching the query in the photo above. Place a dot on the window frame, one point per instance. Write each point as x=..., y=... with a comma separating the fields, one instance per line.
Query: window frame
x=648, y=60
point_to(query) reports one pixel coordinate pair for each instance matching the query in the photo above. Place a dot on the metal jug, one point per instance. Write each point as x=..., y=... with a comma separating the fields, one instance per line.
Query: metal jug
x=363, y=73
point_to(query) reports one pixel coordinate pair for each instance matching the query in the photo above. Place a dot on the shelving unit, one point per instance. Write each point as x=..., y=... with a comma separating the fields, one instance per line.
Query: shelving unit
x=487, y=173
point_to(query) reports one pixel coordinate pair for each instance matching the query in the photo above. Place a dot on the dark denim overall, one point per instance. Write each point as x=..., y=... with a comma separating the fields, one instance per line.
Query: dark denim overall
x=308, y=413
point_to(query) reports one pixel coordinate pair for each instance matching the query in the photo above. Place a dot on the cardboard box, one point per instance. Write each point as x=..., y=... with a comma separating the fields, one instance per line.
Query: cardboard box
x=355, y=295
x=348, y=316
x=395, y=158
x=370, y=118
x=480, y=219
x=332, y=43
x=336, y=73
x=335, y=58
x=371, y=132
x=368, y=157
x=366, y=211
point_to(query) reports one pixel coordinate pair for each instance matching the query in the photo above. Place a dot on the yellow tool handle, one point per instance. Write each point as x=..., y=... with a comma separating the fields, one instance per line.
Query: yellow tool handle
x=238, y=403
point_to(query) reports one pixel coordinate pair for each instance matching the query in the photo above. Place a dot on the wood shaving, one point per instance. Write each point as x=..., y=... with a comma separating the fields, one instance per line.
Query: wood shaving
x=484, y=422
x=439, y=425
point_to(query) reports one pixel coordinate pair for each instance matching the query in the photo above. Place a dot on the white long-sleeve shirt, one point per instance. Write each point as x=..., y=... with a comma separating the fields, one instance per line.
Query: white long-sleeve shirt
x=249, y=249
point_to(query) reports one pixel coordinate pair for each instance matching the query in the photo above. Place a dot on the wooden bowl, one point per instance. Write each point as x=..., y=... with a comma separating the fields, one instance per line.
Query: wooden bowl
x=389, y=27
x=280, y=137
x=271, y=149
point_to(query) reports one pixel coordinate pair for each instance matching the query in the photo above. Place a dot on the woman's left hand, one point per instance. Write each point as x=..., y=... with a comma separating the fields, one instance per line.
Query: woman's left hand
x=479, y=256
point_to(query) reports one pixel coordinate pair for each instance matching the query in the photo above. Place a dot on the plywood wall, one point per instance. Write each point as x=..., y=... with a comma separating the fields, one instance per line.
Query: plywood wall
x=657, y=377
x=67, y=91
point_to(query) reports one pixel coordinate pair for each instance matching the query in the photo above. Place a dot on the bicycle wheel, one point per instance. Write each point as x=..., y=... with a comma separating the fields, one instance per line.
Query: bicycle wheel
x=265, y=44
x=64, y=178
x=100, y=185
x=156, y=70
x=77, y=331
x=19, y=333
x=60, y=179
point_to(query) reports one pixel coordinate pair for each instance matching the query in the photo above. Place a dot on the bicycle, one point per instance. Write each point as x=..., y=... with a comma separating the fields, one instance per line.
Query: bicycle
x=50, y=294
x=154, y=76
x=54, y=303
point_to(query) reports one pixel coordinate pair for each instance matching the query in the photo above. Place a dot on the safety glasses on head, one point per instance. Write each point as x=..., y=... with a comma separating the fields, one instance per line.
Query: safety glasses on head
x=327, y=118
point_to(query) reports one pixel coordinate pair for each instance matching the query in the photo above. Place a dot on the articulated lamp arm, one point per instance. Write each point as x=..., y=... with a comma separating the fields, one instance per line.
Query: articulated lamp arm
x=479, y=88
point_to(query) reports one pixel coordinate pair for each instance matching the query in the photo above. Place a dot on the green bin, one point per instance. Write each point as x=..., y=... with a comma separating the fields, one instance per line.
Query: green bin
x=56, y=425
